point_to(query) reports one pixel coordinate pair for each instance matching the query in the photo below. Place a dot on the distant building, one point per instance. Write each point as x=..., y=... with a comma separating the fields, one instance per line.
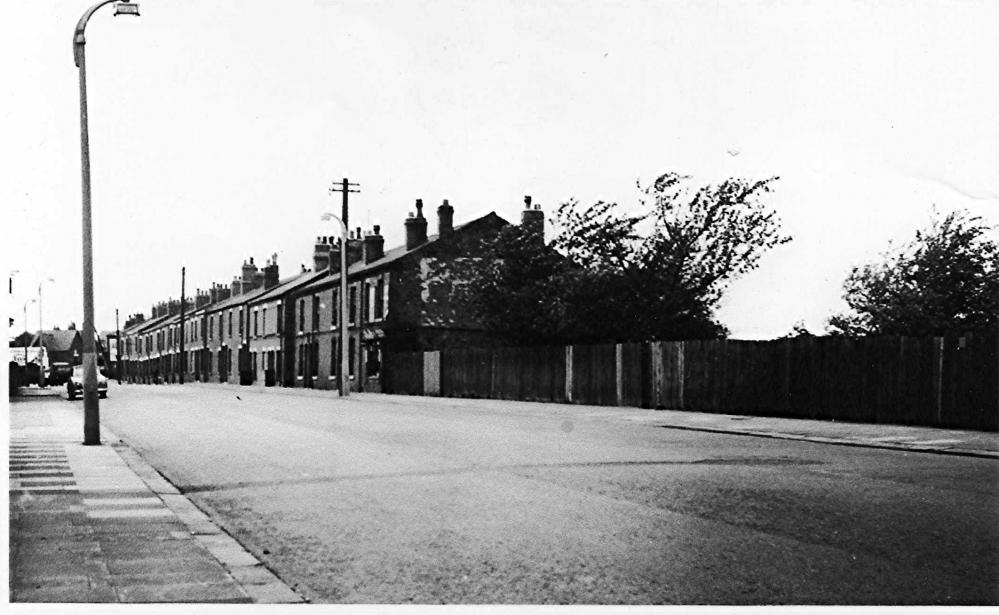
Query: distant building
x=62, y=346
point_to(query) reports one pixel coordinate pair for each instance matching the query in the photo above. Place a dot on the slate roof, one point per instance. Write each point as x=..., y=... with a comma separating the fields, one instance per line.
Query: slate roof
x=58, y=340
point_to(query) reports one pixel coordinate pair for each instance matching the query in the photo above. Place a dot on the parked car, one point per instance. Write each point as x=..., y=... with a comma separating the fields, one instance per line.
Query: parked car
x=58, y=373
x=74, y=386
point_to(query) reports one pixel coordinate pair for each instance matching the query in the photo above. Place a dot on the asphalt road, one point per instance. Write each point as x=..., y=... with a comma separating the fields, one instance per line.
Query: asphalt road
x=383, y=499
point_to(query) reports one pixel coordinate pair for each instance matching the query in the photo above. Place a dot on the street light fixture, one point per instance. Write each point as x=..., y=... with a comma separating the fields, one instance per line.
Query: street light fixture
x=91, y=409
x=40, y=327
x=344, y=356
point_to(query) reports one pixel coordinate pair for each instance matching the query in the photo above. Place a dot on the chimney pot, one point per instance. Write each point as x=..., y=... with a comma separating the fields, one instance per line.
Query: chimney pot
x=416, y=227
x=445, y=219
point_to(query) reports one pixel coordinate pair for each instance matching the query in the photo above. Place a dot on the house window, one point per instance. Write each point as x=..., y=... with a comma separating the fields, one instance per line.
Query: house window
x=370, y=292
x=301, y=315
x=211, y=328
x=301, y=360
x=221, y=323
x=380, y=298
x=352, y=348
x=256, y=329
x=315, y=312
x=230, y=323
x=314, y=359
x=241, y=323
x=263, y=321
x=353, y=305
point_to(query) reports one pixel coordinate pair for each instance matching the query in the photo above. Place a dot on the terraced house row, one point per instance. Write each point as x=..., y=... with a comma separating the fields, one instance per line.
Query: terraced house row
x=260, y=329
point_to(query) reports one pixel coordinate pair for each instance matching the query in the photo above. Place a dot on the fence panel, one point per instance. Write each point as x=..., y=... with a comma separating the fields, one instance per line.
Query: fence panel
x=542, y=373
x=970, y=374
x=593, y=375
x=667, y=380
x=635, y=375
x=466, y=372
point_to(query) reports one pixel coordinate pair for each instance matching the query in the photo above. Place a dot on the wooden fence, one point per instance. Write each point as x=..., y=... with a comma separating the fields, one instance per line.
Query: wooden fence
x=942, y=381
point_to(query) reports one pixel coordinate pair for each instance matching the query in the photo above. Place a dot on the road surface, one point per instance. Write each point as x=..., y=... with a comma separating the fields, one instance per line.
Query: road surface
x=385, y=499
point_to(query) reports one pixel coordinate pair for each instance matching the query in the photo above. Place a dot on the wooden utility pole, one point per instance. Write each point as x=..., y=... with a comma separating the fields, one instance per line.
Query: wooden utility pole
x=183, y=304
x=346, y=187
x=117, y=346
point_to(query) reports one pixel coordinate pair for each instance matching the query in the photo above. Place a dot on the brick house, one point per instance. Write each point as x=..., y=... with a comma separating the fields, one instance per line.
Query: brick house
x=393, y=303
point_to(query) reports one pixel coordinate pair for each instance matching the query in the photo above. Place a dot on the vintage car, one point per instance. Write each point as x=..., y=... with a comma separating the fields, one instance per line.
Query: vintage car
x=58, y=373
x=74, y=386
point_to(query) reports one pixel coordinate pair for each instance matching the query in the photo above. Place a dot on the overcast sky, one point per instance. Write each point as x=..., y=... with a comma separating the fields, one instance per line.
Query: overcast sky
x=217, y=127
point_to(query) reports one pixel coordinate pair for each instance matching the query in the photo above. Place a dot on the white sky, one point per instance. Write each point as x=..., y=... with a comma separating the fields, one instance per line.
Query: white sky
x=217, y=127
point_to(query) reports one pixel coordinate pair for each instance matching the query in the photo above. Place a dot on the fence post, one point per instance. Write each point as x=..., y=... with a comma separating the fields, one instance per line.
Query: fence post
x=432, y=372
x=656, y=348
x=680, y=372
x=938, y=352
x=568, y=374
x=618, y=374
x=492, y=374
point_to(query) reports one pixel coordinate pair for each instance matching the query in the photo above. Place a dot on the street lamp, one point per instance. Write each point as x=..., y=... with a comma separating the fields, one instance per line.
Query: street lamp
x=344, y=356
x=91, y=409
x=40, y=327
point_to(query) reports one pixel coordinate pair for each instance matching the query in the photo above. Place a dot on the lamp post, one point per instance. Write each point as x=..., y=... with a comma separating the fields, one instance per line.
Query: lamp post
x=91, y=409
x=40, y=327
x=344, y=356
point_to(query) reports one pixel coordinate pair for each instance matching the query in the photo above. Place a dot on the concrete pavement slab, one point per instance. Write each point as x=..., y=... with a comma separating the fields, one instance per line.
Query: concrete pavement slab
x=90, y=524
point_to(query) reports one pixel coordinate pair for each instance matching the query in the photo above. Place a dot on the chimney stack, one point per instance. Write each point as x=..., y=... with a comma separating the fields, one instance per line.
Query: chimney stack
x=271, y=272
x=235, y=287
x=249, y=273
x=355, y=247
x=214, y=293
x=200, y=299
x=416, y=227
x=532, y=220
x=445, y=219
x=321, y=254
x=374, y=245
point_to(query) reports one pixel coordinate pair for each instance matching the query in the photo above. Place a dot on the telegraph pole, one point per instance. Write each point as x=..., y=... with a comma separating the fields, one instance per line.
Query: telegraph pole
x=346, y=187
x=117, y=345
x=183, y=304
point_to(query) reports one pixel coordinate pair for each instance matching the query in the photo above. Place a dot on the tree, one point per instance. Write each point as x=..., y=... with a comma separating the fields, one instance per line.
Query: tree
x=609, y=275
x=945, y=280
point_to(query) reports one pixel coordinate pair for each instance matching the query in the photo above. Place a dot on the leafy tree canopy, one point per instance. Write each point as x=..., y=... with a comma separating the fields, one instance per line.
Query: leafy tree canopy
x=945, y=280
x=655, y=272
